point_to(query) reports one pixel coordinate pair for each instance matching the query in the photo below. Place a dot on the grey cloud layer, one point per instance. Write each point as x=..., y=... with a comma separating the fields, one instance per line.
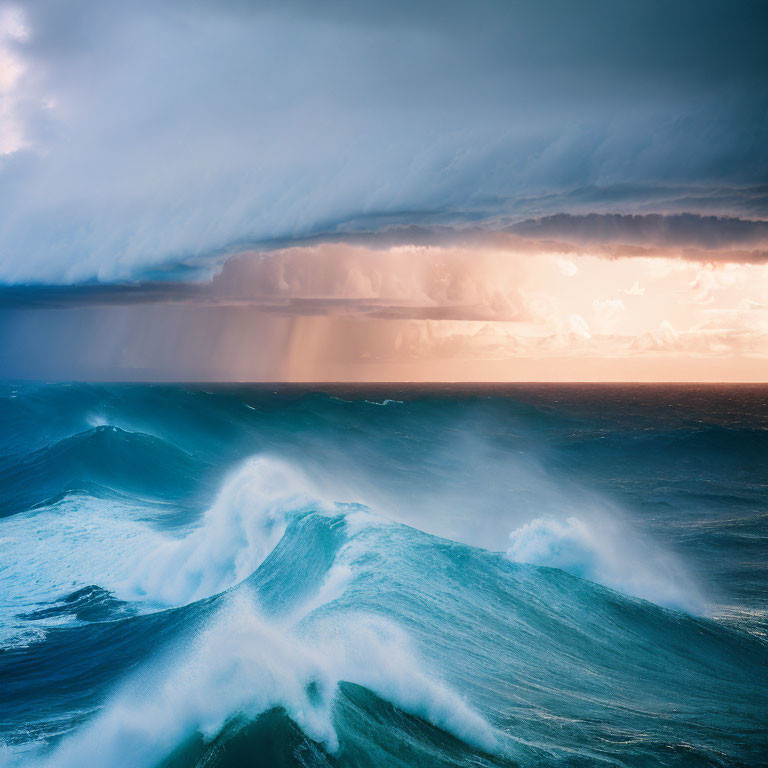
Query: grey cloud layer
x=686, y=230
x=163, y=136
x=354, y=274
x=337, y=279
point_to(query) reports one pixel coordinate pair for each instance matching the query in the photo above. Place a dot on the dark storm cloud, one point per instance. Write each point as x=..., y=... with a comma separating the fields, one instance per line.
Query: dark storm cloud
x=682, y=230
x=159, y=137
x=331, y=279
x=313, y=279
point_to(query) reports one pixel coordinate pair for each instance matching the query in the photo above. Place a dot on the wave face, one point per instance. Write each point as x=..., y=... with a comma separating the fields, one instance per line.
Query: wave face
x=375, y=576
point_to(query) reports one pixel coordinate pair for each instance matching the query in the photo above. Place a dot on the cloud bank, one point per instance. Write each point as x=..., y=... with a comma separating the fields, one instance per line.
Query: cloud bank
x=686, y=230
x=342, y=312
x=150, y=140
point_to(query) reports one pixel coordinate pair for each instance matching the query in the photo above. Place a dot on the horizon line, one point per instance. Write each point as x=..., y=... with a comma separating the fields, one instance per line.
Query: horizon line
x=426, y=382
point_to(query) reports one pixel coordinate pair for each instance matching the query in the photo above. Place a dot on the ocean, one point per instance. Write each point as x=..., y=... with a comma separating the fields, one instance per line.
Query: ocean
x=383, y=575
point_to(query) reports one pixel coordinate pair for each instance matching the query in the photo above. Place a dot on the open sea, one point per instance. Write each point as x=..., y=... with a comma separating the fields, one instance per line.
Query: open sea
x=383, y=575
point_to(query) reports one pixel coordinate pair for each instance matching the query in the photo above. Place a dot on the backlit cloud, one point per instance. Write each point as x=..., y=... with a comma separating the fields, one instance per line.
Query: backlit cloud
x=334, y=311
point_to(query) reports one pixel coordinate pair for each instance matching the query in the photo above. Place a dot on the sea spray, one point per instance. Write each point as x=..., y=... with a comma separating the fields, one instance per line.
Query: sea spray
x=241, y=665
x=608, y=553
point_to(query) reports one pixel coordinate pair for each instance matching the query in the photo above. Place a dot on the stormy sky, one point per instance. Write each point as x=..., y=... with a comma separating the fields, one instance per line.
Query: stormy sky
x=368, y=171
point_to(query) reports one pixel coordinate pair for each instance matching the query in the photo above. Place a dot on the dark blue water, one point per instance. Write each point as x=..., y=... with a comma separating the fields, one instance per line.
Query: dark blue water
x=383, y=576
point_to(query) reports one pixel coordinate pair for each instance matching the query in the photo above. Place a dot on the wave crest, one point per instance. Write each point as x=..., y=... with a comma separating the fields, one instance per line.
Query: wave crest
x=242, y=665
x=237, y=533
x=603, y=553
x=84, y=541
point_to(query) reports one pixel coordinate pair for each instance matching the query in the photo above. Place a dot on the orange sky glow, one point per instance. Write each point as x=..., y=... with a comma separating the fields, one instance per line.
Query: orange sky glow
x=338, y=312
x=420, y=313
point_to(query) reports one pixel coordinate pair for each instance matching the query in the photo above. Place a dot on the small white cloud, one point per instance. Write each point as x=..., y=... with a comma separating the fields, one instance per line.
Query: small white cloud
x=13, y=25
x=635, y=290
x=665, y=338
x=668, y=334
x=579, y=327
x=13, y=30
x=710, y=280
x=606, y=311
x=608, y=305
x=567, y=267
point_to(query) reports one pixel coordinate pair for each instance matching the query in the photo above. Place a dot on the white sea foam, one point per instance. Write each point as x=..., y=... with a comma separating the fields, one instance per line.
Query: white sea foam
x=606, y=552
x=83, y=540
x=244, y=665
x=236, y=534
x=51, y=552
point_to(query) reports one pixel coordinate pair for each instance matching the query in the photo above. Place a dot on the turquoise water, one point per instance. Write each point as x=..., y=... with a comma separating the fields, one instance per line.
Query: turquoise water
x=383, y=576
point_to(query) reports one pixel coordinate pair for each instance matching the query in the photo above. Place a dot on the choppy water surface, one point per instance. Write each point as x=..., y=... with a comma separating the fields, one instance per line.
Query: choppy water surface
x=383, y=576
